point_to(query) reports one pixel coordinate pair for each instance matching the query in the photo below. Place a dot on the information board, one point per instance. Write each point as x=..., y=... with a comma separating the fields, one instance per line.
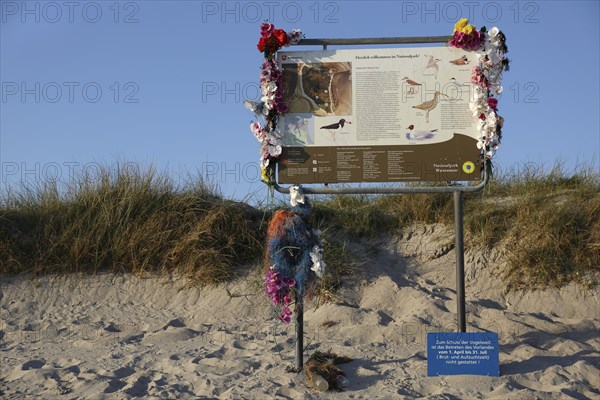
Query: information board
x=462, y=353
x=378, y=115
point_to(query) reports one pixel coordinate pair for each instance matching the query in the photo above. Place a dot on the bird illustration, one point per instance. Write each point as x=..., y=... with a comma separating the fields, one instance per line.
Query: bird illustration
x=338, y=125
x=433, y=64
x=460, y=61
x=410, y=81
x=428, y=105
x=335, y=126
x=419, y=135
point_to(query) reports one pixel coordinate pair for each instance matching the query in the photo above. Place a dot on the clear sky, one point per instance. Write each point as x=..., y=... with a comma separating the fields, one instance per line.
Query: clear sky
x=163, y=82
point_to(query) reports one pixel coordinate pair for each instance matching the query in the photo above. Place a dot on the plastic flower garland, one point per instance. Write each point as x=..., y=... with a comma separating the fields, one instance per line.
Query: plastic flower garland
x=294, y=254
x=490, y=47
x=271, y=104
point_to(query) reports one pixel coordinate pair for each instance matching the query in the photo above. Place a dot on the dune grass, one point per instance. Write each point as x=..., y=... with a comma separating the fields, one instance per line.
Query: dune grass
x=548, y=222
x=127, y=221
x=124, y=220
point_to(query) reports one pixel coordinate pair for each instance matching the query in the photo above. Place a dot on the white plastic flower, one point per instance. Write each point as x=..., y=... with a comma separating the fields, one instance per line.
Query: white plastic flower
x=496, y=88
x=258, y=131
x=316, y=256
x=492, y=37
x=273, y=140
x=294, y=37
x=477, y=108
x=268, y=100
x=264, y=162
x=296, y=196
x=268, y=90
x=481, y=126
x=274, y=151
x=478, y=94
x=481, y=57
x=492, y=54
x=265, y=75
x=271, y=87
x=264, y=148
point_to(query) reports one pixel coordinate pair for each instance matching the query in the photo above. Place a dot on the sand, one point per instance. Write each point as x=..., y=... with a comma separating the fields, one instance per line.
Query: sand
x=120, y=336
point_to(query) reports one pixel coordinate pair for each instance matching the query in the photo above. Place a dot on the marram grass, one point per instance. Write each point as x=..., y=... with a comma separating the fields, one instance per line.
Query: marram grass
x=127, y=221
x=141, y=222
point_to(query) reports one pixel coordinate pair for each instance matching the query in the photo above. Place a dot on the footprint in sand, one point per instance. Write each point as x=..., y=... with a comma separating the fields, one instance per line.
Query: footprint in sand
x=170, y=334
x=23, y=369
x=115, y=383
x=138, y=387
x=33, y=364
x=114, y=386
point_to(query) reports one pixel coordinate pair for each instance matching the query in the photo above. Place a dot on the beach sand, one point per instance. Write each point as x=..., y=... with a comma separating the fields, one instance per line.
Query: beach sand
x=120, y=336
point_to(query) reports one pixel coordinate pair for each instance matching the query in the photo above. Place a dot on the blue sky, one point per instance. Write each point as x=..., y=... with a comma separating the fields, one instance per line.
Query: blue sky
x=163, y=82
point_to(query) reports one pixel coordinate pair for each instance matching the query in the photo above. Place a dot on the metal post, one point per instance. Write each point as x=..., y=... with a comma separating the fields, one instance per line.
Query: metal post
x=459, y=247
x=299, y=332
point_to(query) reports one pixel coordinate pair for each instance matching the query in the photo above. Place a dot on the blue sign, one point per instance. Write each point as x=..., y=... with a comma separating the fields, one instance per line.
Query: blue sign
x=462, y=353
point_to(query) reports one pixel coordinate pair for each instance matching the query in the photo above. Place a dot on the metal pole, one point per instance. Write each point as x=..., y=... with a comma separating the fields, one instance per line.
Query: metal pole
x=299, y=331
x=460, y=261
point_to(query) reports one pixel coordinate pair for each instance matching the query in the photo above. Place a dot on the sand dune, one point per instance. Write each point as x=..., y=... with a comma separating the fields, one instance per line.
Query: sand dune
x=122, y=337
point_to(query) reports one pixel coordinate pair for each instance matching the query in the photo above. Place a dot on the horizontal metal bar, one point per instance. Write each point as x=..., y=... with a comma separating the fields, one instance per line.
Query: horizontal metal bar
x=381, y=40
x=389, y=189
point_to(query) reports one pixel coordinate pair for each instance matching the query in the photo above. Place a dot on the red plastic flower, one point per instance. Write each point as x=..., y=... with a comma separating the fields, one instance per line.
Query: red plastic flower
x=478, y=78
x=493, y=103
x=280, y=36
x=281, y=107
x=467, y=41
x=266, y=29
x=262, y=44
x=267, y=44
